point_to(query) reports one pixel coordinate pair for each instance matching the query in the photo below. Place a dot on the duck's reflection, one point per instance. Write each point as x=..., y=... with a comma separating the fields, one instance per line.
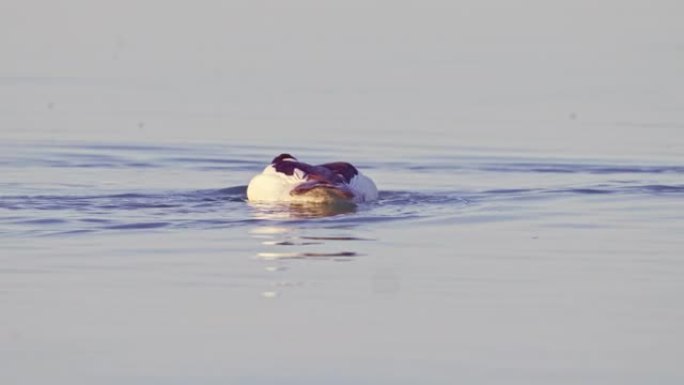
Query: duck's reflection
x=284, y=245
x=279, y=211
x=276, y=236
x=298, y=255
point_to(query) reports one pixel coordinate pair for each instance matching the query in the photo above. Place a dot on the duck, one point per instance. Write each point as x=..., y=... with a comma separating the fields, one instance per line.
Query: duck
x=286, y=179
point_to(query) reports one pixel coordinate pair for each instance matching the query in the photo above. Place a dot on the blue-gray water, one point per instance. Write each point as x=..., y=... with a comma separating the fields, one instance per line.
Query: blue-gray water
x=530, y=157
x=129, y=263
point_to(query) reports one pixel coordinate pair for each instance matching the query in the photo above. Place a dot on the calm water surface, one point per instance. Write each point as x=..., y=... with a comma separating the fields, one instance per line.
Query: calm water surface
x=530, y=226
x=142, y=263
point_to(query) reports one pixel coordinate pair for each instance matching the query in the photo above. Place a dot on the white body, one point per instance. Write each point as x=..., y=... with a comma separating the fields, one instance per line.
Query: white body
x=272, y=186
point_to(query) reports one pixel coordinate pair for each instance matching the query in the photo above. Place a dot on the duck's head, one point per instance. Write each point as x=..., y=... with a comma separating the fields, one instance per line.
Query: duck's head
x=312, y=183
x=287, y=179
x=283, y=157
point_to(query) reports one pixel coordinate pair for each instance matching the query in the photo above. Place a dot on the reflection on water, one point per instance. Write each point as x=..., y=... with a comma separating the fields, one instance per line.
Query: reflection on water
x=288, y=237
x=279, y=211
x=297, y=255
x=284, y=247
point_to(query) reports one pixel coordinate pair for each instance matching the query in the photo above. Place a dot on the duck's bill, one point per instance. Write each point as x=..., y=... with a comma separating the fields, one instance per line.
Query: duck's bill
x=317, y=192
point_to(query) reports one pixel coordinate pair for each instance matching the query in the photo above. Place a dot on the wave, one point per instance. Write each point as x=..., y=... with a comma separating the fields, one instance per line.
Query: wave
x=227, y=207
x=470, y=188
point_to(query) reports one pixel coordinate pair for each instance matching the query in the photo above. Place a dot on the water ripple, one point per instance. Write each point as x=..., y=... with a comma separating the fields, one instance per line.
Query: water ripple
x=226, y=207
x=471, y=188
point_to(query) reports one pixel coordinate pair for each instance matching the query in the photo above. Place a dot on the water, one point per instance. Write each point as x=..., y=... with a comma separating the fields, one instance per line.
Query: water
x=143, y=263
x=529, y=159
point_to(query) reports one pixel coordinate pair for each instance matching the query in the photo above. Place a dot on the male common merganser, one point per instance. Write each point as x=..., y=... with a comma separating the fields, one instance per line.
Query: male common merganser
x=288, y=180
